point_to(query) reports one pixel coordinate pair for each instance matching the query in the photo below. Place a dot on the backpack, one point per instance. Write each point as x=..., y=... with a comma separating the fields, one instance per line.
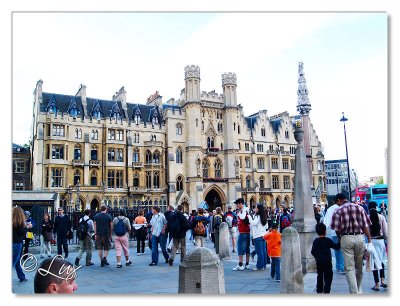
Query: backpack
x=199, y=229
x=120, y=228
x=229, y=220
x=217, y=220
x=82, y=229
x=174, y=226
x=285, y=221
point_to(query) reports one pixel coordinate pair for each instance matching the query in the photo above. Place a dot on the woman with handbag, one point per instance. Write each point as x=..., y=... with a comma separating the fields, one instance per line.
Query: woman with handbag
x=29, y=234
x=19, y=229
x=47, y=236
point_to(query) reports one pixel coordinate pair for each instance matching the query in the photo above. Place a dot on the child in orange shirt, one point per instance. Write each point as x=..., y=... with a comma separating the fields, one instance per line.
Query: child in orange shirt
x=273, y=238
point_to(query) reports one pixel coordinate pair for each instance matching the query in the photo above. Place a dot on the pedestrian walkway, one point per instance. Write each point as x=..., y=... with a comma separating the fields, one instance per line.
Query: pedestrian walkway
x=140, y=278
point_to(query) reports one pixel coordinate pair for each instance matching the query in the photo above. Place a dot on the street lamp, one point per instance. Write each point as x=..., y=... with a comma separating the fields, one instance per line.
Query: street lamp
x=344, y=119
x=78, y=200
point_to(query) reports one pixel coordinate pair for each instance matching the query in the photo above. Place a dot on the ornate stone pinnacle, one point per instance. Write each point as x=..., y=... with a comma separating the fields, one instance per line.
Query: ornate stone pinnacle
x=192, y=71
x=303, y=103
x=229, y=79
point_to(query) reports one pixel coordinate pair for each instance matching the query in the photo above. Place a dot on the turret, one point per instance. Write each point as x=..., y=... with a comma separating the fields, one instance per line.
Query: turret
x=192, y=83
x=229, y=85
x=120, y=95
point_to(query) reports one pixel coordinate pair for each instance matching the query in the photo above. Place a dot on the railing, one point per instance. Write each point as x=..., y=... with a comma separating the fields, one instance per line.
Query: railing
x=77, y=162
x=94, y=163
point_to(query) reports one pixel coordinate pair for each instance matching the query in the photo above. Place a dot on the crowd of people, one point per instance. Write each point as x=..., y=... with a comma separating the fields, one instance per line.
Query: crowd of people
x=353, y=232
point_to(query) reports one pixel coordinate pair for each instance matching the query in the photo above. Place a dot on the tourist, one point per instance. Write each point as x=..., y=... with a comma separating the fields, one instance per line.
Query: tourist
x=284, y=220
x=47, y=236
x=273, y=238
x=334, y=237
x=231, y=220
x=177, y=227
x=378, y=230
x=84, y=233
x=62, y=228
x=121, y=229
x=321, y=250
x=318, y=215
x=243, y=244
x=18, y=234
x=199, y=227
x=158, y=225
x=167, y=215
x=218, y=218
x=351, y=233
x=140, y=225
x=55, y=276
x=29, y=234
x=102, y=233
x=258, y=225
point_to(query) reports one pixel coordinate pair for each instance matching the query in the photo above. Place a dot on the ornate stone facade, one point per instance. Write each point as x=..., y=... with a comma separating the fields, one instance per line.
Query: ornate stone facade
x=200, y=147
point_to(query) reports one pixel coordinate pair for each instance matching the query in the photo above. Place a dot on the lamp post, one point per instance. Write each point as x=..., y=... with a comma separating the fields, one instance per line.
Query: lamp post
x=344, y=119
x=78, y=200
x=69, y=190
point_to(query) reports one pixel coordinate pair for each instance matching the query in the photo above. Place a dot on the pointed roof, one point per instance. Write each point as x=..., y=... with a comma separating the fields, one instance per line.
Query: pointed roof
x=303, y=103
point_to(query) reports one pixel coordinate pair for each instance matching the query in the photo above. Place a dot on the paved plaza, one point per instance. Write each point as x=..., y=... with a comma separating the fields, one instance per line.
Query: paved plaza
x=140, y=278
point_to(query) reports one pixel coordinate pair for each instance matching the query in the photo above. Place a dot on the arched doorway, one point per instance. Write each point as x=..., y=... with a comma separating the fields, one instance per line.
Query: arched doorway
x=278, y=202
x=213, y=200
x=185, y=205
x=252, y=201
x=94, y=205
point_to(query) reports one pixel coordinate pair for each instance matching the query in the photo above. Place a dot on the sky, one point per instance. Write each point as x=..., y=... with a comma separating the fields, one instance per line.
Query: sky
x=344, y=56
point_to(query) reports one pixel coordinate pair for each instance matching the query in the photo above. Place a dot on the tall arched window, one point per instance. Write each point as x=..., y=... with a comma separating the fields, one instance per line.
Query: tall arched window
x=210, y=142
x=263, y=131
x=205, y=168
x=179, y=129
x=78, y=133
x=178, y=156
x=136, y=155
x=136, y=181
x=156, y=180
x=148, y=179
x=148, y=157
x=93, y=153
x=77, y=152
x=217, y=168
x=179, y=183
x=93, y=178
x=262, y=182
x=248, y=181
x=156, y=157
x=77, y=176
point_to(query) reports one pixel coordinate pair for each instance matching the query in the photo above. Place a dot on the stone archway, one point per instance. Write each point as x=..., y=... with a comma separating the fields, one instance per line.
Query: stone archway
x=278, y=201
x=94, y=204
x=252, y=202
x=215, y=197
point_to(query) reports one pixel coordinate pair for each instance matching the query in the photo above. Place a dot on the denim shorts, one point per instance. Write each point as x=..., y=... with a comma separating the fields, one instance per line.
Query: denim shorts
x=243, y=244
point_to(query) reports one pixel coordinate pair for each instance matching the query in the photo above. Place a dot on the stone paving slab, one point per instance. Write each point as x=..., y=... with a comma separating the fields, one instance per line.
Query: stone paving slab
x=141, y=279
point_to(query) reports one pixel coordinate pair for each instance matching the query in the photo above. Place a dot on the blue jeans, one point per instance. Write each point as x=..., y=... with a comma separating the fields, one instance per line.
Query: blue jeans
x=155, y=240
x=339, y=256
x=17, y=248
x=259, y=244
x=276, y=268
x=243, y=244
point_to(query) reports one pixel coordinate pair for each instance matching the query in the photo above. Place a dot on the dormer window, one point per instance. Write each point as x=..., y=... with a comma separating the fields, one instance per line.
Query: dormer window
x=137, y=119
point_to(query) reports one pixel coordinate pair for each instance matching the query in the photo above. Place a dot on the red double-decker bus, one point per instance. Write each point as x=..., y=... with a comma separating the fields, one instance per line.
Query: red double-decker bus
x=361, y=193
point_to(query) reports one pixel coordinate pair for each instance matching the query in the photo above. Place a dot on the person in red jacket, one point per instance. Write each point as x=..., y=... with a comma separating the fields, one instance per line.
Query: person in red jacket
x=273, y=238
x=243, y=244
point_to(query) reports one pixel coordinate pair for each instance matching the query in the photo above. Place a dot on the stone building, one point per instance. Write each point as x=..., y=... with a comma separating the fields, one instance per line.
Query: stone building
x=21, y=160
x=199, y=147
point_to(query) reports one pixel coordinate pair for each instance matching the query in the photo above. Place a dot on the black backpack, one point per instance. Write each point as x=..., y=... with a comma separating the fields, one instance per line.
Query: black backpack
x=82, y=229
x=217, y=220
x=174, y=226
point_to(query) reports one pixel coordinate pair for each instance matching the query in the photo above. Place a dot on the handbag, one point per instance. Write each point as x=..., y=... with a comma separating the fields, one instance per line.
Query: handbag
x=29, y=235
x=70, y=235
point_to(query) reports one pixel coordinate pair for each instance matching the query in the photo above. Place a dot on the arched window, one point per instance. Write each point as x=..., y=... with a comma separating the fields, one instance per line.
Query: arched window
x=78, y=152
x=210, y=142
x=93, y=153
x=197, y=122
x=217, y=168
x=238, y=129
x=136, y=155
x=156, y=157
x=137, y=118
x=93, y=178
x=77, y=176
x=148, y=157
x=234, y=126
x=222, y=146
x=205, y=168
x=156, y=180
x=78, y=133
x=179, y=183
x=120, y=155
x=178, y=156
x=95, y=135
x=73, y=112
x=202, y=125
x=148, y=180
x=248, y=181
x=179, y=129
x=136, y=180
x=263, y=131
x=262, y=182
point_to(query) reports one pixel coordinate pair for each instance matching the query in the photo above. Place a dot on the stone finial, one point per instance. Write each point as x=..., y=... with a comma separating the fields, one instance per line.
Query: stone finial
x=303, y=103
x=192, y=71
x=229, y=79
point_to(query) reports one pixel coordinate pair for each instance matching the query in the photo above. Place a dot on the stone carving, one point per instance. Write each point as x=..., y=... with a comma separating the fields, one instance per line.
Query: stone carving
x=192, y=71
x=303, y=103
x=237, y=167
x=229, y=79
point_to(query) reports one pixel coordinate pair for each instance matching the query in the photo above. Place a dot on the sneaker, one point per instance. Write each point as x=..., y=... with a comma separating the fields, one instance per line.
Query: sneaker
x=238, y=268
x=278, y=280
x=89, y=263
x=102, y=264
x=76, y=261
x=153, y=264
x=143, y=253
x=128, y=263
x=258, y=269
x=170, y=261
x=233, y=251
x=247, y=267
x=41, y=256
x=252, y=257
x=138, y=254
x=119, y=265
x=105, y=261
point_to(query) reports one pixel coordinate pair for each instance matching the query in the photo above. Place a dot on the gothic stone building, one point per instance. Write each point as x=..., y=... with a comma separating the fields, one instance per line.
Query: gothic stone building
x=198, y=148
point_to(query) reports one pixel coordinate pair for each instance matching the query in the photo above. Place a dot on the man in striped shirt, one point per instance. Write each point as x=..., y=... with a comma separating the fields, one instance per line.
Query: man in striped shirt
x=351, y=223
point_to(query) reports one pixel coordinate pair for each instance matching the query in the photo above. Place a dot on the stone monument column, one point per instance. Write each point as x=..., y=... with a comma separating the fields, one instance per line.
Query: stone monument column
x=304, y=221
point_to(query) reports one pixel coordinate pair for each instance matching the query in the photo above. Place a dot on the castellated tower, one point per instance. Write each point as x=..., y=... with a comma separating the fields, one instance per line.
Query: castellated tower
x=192, y=83
x=229, y=85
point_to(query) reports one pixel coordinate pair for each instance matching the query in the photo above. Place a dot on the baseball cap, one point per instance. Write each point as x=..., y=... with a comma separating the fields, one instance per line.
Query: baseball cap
x=239, y=200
